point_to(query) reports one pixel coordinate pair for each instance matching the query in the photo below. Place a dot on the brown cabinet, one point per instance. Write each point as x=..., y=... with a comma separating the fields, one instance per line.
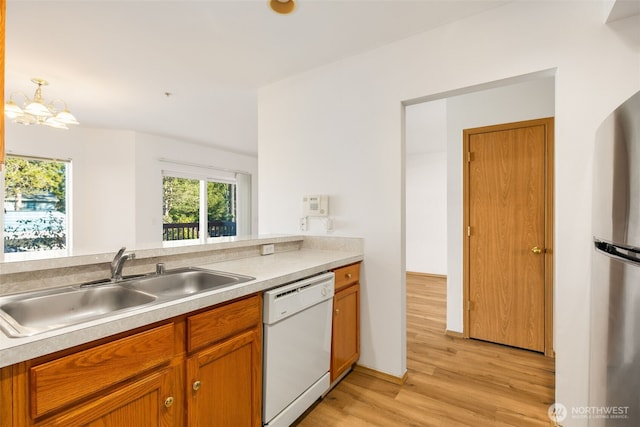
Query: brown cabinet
x=145, y=402
x=201, y=369
x=66, y=380
x=225, y=378
x=345, y=343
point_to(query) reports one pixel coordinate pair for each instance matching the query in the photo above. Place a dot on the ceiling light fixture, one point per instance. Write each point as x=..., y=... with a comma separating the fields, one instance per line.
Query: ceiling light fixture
x=38, y=112
x=282, y=6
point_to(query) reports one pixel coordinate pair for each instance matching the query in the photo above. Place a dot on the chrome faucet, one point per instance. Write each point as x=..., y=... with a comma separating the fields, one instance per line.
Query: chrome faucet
x=118, y=263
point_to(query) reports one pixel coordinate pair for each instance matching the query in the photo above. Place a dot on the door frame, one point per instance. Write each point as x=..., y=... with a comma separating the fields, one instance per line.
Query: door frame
x=548, y=123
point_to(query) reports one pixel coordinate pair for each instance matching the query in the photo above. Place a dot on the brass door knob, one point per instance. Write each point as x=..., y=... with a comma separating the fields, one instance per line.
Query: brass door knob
x=536, y=250
x=196, y=385
x=347, y=276
x=168, y=402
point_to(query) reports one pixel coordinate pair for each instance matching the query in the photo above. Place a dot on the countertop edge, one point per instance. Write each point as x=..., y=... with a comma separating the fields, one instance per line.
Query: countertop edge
x=269, y=271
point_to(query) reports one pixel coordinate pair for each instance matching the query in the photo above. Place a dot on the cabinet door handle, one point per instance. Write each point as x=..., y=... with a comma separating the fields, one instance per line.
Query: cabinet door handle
x=348, y=276
x=196, y=385
x=337, y=311
x=168, y=402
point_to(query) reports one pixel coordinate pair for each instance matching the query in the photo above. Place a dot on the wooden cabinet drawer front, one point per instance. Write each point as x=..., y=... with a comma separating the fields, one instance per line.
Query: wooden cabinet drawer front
x=67, y=379
x=138, y=403
x=222, y=322
x=347, y=275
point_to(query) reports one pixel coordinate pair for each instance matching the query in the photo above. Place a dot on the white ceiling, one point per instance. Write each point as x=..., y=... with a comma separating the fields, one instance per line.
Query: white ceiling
x=113, y=61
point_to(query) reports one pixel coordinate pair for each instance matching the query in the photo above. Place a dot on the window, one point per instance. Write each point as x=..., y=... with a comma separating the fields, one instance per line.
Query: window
x=192, y=205
x=35, y=207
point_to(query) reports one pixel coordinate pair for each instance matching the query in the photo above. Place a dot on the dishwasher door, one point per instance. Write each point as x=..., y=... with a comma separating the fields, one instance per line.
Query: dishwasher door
x=297, y=348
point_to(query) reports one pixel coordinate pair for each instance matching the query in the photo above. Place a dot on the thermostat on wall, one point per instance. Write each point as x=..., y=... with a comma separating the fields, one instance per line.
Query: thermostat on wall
x=315, y=205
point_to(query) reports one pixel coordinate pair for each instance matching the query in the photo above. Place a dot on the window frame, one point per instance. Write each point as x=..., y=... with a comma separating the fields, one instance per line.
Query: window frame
x=221, y=177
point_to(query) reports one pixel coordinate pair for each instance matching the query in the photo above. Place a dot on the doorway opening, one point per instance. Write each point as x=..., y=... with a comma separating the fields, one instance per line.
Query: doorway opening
x=519, y=98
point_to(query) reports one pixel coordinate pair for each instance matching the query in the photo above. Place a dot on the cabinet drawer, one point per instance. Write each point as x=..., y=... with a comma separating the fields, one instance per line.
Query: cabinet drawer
x=67, y=379
x=222, y=322
x=347, y=275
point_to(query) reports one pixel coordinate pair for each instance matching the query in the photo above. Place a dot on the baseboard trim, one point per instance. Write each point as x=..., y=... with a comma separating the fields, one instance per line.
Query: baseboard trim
x=454, y=334
x=381, y=375
x=437, y=276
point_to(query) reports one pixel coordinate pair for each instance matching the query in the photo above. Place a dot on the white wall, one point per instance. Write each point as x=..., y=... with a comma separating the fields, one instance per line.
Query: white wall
x=116, y=180
x=338, y=130
x=426, y=233
x=426, y=187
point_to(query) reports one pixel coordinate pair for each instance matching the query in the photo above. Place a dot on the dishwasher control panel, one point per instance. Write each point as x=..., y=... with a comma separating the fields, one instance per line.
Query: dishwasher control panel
x=290, y=299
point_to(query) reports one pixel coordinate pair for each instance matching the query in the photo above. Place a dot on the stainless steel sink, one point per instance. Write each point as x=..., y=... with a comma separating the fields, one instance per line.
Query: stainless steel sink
x=35, y=312
x=184, y=282
x=30, y=313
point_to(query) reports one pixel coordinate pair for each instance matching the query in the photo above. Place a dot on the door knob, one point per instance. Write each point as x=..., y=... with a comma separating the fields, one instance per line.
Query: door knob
x=196, y=385
x=536, y=250
x=168, y=402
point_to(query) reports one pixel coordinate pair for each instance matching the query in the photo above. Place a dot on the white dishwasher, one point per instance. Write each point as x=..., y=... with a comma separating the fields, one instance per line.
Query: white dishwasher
x=297, y=347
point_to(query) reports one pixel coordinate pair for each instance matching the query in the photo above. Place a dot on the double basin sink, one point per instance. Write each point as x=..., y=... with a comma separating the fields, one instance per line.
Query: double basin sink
x=30, y=313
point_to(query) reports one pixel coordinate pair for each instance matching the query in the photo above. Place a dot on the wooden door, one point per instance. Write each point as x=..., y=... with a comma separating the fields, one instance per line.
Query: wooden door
x=143, y=403
x=224, y=387
x=345, y=346
x=507, y=216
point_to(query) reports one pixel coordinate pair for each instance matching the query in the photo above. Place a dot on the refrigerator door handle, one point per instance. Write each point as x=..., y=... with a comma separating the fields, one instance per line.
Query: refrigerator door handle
x=627, y=253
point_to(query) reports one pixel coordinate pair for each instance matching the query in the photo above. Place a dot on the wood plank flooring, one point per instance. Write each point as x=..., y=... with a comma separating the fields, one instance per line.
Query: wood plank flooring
x=451, y=381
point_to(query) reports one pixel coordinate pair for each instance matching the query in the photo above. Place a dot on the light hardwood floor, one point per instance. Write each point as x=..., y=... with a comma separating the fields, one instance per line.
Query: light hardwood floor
x=451, y=381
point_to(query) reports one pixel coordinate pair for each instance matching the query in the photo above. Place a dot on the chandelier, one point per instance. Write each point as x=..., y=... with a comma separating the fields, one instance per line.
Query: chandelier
x=36, y=111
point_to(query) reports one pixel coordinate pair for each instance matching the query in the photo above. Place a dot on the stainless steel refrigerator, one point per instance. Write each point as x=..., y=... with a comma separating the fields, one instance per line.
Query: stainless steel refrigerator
x=614, y=382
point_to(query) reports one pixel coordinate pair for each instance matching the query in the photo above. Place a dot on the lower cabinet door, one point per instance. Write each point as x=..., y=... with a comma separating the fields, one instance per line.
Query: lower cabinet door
x=225, y=383
x=345, y=346
x=147, y=402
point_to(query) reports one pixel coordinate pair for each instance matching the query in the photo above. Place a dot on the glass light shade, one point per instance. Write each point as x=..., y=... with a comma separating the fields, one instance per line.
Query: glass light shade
x=12, y=110
x=52, y=122
x=66, y=117
x=38, y=110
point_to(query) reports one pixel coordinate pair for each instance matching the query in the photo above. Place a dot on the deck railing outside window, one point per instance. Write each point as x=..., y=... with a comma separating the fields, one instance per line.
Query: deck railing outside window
x=191, y=230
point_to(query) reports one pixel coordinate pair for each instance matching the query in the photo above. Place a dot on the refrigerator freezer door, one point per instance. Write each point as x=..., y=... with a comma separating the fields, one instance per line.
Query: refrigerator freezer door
x=614, y=364
x=616, y=183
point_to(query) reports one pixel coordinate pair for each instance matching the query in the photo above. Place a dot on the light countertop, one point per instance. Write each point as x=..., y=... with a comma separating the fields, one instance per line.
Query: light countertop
x=269, y=271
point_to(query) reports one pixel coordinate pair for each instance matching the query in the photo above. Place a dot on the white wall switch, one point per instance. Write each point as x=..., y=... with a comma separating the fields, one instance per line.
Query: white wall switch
x=267, y=249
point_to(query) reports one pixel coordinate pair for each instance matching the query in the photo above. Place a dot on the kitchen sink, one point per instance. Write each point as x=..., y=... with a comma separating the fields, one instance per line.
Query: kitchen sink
x=31, y=313
x=184, y=282
x=36, y=312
